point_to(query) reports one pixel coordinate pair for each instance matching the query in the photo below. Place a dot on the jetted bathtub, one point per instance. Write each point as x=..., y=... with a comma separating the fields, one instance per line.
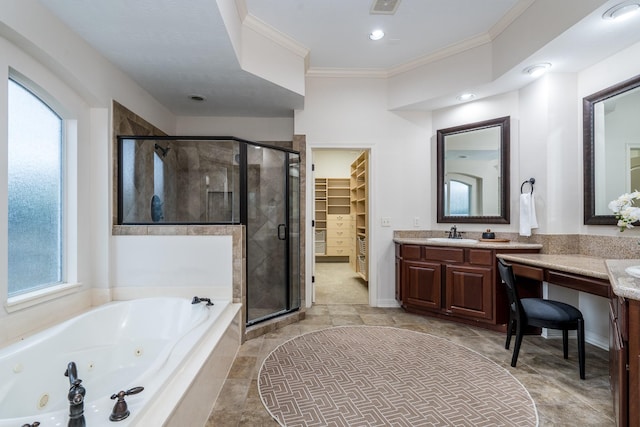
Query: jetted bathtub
x=161, y=344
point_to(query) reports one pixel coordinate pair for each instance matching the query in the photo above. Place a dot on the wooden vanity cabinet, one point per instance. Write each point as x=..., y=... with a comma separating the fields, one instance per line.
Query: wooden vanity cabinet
x=624, y=359
x=457, y=283
x=618, y=359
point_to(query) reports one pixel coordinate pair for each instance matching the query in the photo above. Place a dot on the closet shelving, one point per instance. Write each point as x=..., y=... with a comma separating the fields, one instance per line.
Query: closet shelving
x=321, y=216
x=359, y=208
x=338, y=198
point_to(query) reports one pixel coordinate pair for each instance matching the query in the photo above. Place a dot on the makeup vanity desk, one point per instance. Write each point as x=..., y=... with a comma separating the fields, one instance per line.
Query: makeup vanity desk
x=606, y=278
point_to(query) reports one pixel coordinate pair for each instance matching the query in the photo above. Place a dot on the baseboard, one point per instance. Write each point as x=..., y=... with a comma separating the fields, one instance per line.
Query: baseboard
x=589, y=337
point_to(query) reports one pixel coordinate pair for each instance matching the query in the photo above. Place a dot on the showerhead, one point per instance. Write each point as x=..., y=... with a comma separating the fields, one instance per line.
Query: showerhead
x=162, y=151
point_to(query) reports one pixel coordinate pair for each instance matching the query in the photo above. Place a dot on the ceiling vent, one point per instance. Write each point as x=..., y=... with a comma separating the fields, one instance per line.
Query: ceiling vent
x=384, y=7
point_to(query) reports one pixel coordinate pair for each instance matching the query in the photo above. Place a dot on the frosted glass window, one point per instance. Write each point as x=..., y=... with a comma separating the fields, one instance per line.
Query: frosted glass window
x=34, y=193
x=460, y=198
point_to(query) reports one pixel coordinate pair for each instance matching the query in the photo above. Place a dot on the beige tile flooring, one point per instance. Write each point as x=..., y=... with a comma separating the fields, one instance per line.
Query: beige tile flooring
x=562, y=399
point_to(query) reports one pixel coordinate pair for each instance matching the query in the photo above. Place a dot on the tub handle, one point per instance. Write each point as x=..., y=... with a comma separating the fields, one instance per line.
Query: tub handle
x=35, y=424
x=120, y=409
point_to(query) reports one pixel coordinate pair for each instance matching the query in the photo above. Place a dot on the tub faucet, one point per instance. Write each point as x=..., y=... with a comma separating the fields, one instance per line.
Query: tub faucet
x=120, y=409
x=197, y=300
x=75, y=396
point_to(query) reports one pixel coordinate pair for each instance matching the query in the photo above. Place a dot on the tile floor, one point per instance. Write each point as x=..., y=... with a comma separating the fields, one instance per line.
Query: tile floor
x=562, y=399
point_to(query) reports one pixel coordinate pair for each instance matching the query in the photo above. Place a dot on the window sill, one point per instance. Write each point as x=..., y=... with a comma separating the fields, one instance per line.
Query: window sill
x=31, y=299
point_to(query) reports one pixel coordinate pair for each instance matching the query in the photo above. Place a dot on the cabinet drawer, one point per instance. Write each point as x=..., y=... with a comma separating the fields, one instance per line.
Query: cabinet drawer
x=444, y=254
x=339, y=233
x=528, y=272
x=411, y=252
x=580, y=283
x=339, y=250
x=339, y=217
x=342, y=242
x=339, y=225
x=481, y=256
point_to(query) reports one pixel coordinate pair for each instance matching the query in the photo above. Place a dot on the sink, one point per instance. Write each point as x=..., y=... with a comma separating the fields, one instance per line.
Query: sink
x=448, y=240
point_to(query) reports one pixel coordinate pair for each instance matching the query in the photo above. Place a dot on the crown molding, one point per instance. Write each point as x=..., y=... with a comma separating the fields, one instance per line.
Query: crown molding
x=348, y=73
x=446, y=52
x=513, y=14
x=275, y=36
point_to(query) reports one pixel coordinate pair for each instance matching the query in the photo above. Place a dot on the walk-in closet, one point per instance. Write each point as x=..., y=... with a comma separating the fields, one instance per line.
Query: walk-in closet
x=341, y=261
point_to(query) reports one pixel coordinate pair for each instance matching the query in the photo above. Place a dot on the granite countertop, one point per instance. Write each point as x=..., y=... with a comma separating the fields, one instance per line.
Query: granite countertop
x=570, y=263
x=458, y=243
x=622, y=283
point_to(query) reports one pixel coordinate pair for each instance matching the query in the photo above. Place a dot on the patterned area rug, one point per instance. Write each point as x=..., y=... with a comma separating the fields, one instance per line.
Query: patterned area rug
x=383, y=376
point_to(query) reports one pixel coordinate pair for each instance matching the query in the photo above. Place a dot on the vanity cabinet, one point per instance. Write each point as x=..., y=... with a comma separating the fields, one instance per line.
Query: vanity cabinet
x=457, y=283
x=624, y=359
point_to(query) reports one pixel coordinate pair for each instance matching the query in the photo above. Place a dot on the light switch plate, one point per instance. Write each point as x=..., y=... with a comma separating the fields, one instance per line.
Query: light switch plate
x=386, y=221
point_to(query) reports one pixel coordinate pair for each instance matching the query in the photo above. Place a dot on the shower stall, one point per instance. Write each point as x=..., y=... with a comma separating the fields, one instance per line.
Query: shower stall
x=222, y=181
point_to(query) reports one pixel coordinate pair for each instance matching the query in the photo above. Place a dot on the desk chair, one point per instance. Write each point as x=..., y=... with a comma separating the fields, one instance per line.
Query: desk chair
x=540, y=313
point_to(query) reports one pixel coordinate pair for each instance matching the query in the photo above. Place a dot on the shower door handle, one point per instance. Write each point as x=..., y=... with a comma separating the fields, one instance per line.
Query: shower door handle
x=282, y=232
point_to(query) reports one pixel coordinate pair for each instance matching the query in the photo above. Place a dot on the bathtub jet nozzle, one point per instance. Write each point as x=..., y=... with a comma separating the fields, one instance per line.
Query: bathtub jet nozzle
x=198, y=300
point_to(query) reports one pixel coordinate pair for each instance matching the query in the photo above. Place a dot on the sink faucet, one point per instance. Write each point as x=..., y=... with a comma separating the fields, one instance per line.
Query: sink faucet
x=453, y=233
x=75, y=396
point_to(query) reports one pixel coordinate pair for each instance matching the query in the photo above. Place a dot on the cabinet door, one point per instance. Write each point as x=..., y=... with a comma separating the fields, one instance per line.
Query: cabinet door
x=422, y=284
x=618, y=377
x=469, y=291
x=399, y=280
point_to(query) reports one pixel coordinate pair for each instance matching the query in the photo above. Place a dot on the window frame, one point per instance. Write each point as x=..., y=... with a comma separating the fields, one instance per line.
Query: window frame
x=68, y=140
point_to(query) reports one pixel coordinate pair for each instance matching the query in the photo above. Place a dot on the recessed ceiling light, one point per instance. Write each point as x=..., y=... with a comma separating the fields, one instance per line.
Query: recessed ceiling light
x=376, y=35
x=622, y=10
x=197, y=98
x=465, y=97
x=537, y=69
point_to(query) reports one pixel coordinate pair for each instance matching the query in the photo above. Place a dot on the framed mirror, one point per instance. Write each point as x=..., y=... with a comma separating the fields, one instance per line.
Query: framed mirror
x=473, y=172
x=611, y=147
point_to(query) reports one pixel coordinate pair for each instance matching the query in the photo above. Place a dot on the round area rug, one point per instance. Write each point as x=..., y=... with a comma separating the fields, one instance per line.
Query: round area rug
x=384, y=376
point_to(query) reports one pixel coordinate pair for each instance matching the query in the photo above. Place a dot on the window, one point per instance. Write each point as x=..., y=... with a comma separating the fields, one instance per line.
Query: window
x=460, y=198
x=35, y=190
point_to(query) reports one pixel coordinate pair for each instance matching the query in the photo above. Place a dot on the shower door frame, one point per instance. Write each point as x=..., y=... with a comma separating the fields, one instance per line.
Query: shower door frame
x=291, y=277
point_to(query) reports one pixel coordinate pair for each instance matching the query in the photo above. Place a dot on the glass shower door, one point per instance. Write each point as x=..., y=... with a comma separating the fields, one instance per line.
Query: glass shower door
x=272, y=232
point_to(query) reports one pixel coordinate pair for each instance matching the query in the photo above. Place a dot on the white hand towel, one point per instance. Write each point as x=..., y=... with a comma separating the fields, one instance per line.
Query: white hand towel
x=533, y=220
x=528, y=218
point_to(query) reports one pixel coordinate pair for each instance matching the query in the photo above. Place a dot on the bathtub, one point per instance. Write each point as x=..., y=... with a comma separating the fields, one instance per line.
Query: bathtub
x=165, y=345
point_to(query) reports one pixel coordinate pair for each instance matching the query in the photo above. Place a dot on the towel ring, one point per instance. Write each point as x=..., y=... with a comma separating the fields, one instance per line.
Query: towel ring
x=531, y=181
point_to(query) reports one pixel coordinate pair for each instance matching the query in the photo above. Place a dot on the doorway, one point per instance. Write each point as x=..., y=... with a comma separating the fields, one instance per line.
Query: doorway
x=340, y=260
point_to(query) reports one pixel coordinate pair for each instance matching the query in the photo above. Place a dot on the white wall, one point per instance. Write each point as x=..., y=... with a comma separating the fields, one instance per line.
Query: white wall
x=352, y=113
x=249, y=128
x=174, y=262
x=333, y=163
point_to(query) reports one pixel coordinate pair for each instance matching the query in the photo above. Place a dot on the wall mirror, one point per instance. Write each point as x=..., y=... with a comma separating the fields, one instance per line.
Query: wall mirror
x=473, y=172
x=611, y=138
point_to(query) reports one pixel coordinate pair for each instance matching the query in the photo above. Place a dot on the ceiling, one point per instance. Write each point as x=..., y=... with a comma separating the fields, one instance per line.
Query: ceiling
x=175, y=52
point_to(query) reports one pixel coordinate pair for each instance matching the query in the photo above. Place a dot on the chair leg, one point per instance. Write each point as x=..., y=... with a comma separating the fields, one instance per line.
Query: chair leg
x=565, y=343
x=516, y=348
x=509, y=332
x=581, y=347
